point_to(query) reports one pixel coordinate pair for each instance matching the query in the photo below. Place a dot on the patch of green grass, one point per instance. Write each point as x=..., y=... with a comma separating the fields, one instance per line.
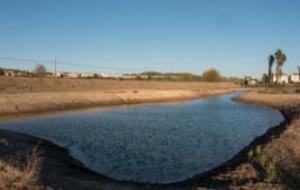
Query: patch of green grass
x=270, y=170
x=257, y=156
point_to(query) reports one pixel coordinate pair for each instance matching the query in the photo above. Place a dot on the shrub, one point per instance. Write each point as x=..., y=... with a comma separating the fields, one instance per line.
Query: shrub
x=40, y=70
x=250, y=155
x=264, y=162
x=270, y=171
x=17, y=176
x=258, y=150
x=211, y=75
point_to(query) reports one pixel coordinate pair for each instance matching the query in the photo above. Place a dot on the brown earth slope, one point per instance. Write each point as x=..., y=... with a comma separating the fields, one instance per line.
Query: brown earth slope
x=277, y=166
x=36, y=95
x=20, y=85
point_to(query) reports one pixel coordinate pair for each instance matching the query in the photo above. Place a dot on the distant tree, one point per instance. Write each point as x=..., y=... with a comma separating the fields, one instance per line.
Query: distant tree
x=211, y=75
x=271, y=60
x=280, y=60
x=151, y=73
x=235, y=80
x=40, y=70
x=2, y=72
x=188, y=76
x=265, y=79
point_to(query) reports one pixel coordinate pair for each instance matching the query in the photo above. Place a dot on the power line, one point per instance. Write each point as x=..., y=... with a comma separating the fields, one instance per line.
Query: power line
x=56, y=62
x=24, y=60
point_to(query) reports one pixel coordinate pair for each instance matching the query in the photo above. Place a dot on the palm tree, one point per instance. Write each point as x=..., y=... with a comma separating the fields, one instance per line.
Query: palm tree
x=299, y=71
x=271, y=60
x=280, y=60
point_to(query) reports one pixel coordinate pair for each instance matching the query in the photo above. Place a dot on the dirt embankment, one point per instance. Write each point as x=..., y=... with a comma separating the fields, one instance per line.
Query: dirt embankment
x=277, y=166
x=58, y=170
x=36, y=95
x=9, y=85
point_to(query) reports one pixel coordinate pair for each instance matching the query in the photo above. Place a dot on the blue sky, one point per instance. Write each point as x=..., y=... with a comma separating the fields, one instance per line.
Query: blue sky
x=234, y=36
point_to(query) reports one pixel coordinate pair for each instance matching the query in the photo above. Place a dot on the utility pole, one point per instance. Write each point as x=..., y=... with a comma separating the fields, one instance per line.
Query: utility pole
x=298, y=72
x=55, y=68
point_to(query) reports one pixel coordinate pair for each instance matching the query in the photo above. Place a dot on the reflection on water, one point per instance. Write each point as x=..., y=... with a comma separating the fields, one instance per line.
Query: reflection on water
x=155, y=143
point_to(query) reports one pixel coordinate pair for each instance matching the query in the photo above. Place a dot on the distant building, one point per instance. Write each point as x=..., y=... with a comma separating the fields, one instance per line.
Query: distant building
x=250, y=81
x=295, y=78
x=58, y=75
x=9, y=73
x=71, y=75
x=110, y=76
x=88, y=75
x=282, y=79
x=129, y=77
x=55, y=75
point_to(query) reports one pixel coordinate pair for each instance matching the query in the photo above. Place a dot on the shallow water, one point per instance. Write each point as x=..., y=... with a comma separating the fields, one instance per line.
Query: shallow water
x=155, y=143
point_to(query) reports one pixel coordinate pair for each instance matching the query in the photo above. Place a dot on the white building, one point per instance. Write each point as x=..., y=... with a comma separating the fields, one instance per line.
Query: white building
x=9, y=73
x=88, y=75
x=71, y=75
x=295, y=78
x=55, y=75
x=252, y=82
x=128, y=77
x=110, y=76
x=282, y=79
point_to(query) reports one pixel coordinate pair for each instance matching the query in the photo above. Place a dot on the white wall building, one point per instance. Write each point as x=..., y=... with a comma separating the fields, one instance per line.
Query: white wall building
x=9, y=73
x=72, y=75
x=110, y=76
x=87, y=75
x=282, y=79
x=294, y=78
x=252, y=82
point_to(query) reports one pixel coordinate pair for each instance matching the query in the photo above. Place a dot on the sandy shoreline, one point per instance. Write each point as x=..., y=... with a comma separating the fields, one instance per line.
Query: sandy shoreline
x=43, y=102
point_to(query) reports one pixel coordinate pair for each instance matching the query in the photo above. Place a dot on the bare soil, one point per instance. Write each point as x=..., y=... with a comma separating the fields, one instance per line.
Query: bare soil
x=13, y=85
x=280, y=146
x=37, y=95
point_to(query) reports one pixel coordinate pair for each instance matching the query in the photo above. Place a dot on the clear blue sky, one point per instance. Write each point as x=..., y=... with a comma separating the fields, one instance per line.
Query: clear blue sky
x=234, y=36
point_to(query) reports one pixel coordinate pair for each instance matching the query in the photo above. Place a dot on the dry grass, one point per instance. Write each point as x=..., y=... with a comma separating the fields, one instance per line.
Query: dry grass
x=17, y=176
x=285, y=151
x=17, y=85
x=281, y=152
x=32, y=95
x=49, y=101
x=274, y=100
